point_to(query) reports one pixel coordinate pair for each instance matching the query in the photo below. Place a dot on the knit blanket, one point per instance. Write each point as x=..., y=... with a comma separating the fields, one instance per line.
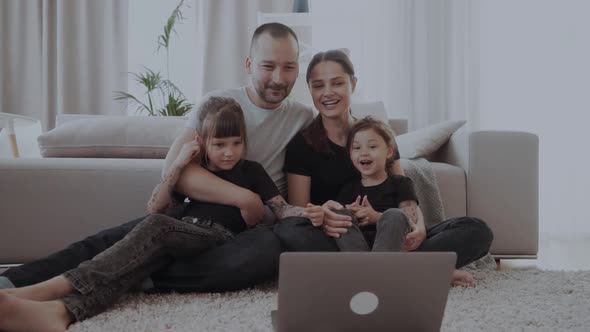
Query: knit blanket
x=430, y=201
x=426, y=187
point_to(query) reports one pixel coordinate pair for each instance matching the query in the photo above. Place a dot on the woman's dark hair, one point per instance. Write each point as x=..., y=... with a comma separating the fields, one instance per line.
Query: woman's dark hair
x=315, y=134
x=221, y=117
x=381, y=129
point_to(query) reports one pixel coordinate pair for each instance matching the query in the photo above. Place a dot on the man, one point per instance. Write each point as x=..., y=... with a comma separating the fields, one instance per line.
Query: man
x=271, y=120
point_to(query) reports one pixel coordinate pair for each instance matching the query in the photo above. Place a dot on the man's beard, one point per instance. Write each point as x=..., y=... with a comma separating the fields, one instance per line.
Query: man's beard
x=269, y=98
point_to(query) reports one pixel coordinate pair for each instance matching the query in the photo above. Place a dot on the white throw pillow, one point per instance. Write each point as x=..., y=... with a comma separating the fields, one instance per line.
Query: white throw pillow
x=375, y=109
x=425, y=141
x=112, y=137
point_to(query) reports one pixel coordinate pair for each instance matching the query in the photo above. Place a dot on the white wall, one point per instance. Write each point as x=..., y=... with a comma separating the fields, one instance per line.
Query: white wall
x=535, y=76
x=146, y=22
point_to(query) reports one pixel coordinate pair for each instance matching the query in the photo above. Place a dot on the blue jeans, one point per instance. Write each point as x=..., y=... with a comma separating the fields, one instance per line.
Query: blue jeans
x=152, y=244
x=249, y=258
x=469, y=237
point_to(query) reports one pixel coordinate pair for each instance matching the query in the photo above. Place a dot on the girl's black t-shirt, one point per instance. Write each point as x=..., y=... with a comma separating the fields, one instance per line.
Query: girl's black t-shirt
x=386, y=195
x=247, y=174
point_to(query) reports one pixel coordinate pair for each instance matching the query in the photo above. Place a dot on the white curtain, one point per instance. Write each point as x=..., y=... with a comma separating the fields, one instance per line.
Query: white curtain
x=415, y=55
x=62, y=56
x=224, y=30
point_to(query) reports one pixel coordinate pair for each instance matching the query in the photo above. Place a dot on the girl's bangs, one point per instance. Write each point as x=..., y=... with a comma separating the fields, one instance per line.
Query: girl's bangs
x=227, y=124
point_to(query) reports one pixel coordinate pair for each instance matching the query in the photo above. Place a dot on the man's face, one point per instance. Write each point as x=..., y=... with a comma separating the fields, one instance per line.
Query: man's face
x=273, y=69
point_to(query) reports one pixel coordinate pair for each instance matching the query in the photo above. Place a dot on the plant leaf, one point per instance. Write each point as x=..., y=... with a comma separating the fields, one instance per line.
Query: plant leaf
x=163, y=97
x=176, y=16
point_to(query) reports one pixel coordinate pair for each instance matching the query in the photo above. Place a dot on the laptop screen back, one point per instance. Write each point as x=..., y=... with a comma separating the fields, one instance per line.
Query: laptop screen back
x=355, y=291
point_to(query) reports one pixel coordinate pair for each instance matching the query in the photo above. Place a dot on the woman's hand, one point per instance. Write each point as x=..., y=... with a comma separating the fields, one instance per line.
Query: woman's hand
x=189, y=151
x=335, y=224
x=315, y=213
x=415, y=238
x=363, y=211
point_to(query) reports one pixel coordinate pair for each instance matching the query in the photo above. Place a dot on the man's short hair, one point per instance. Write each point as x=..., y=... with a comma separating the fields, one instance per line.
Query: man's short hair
x=276, y=30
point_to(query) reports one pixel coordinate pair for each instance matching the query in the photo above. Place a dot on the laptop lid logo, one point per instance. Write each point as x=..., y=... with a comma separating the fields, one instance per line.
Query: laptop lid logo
x=364, y=303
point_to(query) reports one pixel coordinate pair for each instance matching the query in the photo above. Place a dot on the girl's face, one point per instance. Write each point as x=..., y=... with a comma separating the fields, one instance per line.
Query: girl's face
x=369, y=153
x=224, y=153
x=331, y=89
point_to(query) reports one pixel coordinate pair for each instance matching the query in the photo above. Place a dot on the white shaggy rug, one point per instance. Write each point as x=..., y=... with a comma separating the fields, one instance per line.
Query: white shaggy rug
x=530, y=300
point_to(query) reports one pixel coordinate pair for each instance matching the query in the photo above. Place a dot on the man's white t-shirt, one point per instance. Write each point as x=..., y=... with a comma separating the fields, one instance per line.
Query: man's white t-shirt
x=268, y=130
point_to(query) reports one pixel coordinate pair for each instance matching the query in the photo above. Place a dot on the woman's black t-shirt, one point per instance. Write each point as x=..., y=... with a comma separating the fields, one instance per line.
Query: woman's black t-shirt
x=328, y=171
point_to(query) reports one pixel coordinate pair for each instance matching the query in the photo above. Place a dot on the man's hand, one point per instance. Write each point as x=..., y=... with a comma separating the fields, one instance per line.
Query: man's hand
x=415, y=238
x=189, y=152
x=363, y=211
x=335, y=224
x=315, y=213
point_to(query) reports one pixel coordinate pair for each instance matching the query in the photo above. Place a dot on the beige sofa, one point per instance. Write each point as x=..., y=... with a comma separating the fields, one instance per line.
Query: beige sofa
x=47, y=203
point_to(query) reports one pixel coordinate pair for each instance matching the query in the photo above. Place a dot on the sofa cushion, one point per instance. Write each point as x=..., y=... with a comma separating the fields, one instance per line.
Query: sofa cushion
x=452, y=184
x=375, y=109
x=112, y=137
x=423, y=142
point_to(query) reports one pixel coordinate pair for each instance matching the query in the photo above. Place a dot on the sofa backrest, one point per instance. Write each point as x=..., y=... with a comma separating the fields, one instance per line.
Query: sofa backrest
x=141, y=137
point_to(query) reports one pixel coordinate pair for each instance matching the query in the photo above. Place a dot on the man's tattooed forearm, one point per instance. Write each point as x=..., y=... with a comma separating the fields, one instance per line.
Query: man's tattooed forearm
x=282, y=209
x=168, y=183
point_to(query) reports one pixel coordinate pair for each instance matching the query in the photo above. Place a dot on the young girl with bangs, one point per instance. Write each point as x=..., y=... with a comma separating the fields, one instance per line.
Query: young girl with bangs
x=95, y=285
x=383, y=206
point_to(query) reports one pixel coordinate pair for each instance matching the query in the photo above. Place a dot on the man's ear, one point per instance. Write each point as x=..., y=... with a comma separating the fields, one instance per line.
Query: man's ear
x=248, y=65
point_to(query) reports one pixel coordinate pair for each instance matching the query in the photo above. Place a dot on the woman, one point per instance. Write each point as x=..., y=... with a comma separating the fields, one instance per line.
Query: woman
x=317, y=165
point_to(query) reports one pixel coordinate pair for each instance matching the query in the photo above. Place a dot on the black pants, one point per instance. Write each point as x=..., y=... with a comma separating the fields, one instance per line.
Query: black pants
x=251, y=257
x=470, y=238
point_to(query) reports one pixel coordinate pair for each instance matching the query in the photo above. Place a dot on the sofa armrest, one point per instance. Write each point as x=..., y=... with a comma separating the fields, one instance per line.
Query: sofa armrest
x=49, y=203
x=502, y=169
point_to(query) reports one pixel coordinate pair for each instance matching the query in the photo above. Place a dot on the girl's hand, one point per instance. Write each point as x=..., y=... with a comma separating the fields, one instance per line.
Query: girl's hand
x=190, y=151
x=415, y=238
x=315, y=213
x=363, y=211
x=355, y=206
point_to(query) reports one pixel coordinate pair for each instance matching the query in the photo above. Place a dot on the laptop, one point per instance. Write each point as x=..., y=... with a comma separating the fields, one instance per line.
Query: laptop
x=368, y=291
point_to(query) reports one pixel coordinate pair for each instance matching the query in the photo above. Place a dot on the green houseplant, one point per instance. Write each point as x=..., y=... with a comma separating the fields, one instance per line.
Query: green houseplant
x=162, y=97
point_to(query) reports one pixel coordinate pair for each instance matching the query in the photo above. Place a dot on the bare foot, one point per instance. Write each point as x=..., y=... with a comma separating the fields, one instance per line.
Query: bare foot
x=26, y=293
x=462, y=278
x=52, y=289
x=24, y=315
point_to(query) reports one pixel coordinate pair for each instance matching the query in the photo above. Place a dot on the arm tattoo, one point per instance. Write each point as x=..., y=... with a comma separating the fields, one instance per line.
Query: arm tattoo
x=161, y=201
x=410, y=209
x=282, y=209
